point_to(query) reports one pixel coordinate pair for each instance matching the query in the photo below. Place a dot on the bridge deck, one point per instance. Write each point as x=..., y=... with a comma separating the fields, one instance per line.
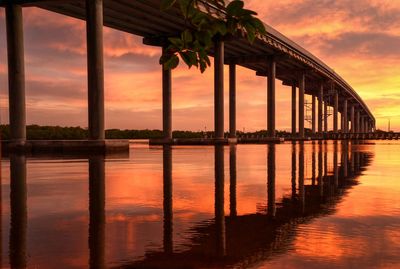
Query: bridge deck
x=144, y=18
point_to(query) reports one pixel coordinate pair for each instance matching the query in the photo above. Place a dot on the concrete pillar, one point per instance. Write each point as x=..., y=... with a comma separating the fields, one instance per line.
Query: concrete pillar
x=167, y=103
x=335, y=111
x=313, y=116
x=232, y=100
x=357, y=120
x=301, y=104
x=97, y=215
x=219, y=89
x=271, y=97
x=95, y=65
x=345, y=121
x=325, y=116
x=294, y=104
x=352, y=119
x=320, y=100
x=16, y=72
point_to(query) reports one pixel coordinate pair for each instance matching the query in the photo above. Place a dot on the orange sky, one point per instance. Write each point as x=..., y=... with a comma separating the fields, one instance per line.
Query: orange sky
x=358, y=39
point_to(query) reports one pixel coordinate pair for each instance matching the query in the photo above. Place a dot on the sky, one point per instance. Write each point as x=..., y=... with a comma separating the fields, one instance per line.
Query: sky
x=359, y=39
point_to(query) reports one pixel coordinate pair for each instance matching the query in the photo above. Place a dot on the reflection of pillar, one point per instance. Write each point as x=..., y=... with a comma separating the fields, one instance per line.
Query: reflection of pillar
x=345, y=156
x=313, y=164
x=335, y=164
x=18, y=206
x=167, y=199
x=320, y=172
x=271, y=209
x=325, y=116
x=293, y=170
x=352, y=162
x=97, y=211
x=219, y=201
x=232, y=186
x=301, y=176
x=345, y=120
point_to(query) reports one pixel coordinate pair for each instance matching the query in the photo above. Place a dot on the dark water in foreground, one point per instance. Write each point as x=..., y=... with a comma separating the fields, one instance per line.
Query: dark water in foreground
x=250, y=206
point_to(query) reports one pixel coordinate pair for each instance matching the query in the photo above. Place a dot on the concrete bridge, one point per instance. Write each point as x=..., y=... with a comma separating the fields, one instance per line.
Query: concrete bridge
x=272, y=55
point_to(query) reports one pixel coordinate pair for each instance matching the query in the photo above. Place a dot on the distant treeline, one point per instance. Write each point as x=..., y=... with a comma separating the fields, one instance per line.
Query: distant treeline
x=36, y=132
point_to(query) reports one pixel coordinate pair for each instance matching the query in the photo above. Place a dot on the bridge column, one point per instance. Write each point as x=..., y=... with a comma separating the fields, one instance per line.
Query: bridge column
x=320, y=99
x=16, y=72
x=271, y=97
x=345, y=120
x=352, y=118
x=167, y=103
x=357, y=125
x=301, y=104
x=335, y=111
x=294, y=103
x=94, y=31
x=219, y=89
x=325, y=117
x=232, y=100
x=313, y=116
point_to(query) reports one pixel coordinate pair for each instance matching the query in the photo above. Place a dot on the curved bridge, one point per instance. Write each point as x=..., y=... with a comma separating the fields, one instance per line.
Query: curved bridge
x=272, y=55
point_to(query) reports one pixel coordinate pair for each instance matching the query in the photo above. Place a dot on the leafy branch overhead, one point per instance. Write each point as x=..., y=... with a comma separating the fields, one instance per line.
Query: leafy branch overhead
x=206, y=20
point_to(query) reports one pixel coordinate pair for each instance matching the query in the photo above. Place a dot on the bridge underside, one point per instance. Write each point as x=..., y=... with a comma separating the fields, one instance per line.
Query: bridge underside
x=272, y=55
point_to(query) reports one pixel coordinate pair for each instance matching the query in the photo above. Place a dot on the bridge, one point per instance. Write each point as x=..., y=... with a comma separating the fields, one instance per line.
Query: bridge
x=272, y=55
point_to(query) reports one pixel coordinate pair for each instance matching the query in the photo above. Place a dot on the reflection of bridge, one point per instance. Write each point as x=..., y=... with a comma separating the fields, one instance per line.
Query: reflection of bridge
x=272, y=55
x=226, y=240
x=248, y=239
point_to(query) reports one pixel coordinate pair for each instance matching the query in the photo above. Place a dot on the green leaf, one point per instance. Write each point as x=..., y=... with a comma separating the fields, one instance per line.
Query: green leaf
x=166, y=4
x=171, y=63
x=184, y=6
x=221, y=27
x=177, y=42
x=258, y=25
x=234, y=7
x=186, y=36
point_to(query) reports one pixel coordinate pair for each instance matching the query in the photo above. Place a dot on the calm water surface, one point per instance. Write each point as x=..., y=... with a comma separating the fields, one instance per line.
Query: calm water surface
x=251, y=206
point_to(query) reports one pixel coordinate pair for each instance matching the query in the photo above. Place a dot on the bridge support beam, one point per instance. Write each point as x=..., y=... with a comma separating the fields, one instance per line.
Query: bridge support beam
x=335, y=111
x=16, y=73
x=294, y=104
x=219, y=89
x=271, y=97
x=320, y=100
x=232, y=101
x=313, y=116
x=352, y=118
x=95, y=66
x=345, y=120
x=301, y=104
x=167, y=103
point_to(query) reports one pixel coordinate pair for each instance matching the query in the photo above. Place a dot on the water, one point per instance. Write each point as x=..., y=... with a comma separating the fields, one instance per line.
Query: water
x=250, y=206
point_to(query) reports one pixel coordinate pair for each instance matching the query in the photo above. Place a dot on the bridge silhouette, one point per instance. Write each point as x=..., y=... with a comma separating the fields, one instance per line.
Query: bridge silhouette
x=272, y=55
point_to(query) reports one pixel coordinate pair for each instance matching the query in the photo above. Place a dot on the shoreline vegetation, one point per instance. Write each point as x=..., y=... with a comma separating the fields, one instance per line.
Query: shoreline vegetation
x=37, y=132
